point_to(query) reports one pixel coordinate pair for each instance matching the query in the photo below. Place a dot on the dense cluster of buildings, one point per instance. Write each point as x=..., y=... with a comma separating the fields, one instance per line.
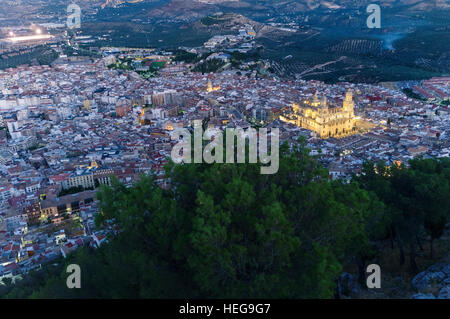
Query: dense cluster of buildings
x=67, y=129
x=243, y=41
x=434, y=89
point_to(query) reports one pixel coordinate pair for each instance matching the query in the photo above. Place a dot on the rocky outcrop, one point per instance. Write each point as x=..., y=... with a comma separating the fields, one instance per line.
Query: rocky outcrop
x=423, y=296
x=347, y=285
x=444, y=293
x=434, y=282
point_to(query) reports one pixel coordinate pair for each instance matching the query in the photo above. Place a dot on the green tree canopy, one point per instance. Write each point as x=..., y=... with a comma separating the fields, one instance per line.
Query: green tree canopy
x=226, y=231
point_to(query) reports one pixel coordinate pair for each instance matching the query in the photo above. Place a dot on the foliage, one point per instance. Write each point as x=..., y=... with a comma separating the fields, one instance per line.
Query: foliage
x=410, y=93
x=226, y=231
x=182, y=55
x=73, y=190
x=416, y=198
x=209, y=66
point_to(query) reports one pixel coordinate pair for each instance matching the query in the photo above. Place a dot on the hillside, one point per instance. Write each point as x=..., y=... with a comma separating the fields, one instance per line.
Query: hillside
x=329, y=40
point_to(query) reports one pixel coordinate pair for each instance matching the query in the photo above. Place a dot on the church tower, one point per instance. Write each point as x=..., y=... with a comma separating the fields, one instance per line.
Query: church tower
x=210, y=86
x=315, y=102
x=324, y=102
x=349, y=104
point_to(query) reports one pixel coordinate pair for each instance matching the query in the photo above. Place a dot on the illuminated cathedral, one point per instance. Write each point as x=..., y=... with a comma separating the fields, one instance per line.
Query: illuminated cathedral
x=323, y=118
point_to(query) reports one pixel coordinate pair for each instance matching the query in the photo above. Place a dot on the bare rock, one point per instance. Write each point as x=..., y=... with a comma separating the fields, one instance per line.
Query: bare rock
x=444, y=293
x=423, y=296
x=426, y=279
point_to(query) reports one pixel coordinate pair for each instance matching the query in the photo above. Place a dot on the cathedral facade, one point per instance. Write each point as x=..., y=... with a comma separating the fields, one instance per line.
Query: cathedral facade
x=324, y=119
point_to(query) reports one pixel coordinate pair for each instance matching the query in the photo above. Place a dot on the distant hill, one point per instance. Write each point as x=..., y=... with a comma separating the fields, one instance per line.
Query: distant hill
x=331, y=33
x=306, y=5
x=188, y=10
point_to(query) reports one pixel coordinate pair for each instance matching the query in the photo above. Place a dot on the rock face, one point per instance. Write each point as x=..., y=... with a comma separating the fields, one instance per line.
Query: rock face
x=348, y=284
x=426, y=279
x=444, y=293
x=423, y=296
x=436, y=278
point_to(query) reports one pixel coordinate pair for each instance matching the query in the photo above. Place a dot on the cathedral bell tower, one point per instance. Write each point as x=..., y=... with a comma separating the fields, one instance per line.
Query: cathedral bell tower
x=349, y=104
x=315, y=102
x=324, y=102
